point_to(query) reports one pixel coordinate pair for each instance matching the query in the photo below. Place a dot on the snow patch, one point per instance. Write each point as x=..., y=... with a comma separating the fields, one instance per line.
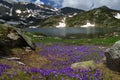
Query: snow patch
x=88, y=24
x=33, y=26
x=4, y=6
x=62, y=23
x=31, y=22
x=70, y=15
x=12, y=23
x=11, y=11
x=1, y=20
x=40, y=6
x=28, y=10
x=55, y=9
x=117, y=16
x=23, y=23
x=75, y=14
x=18, y=11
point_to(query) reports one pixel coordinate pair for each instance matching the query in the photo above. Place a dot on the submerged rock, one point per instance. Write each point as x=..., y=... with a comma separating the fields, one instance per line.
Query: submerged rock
x=84, y=65
x=113, y=55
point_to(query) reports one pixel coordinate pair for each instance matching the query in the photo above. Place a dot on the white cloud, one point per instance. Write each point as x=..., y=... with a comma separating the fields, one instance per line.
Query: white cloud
x=56, y=3
x=89, y=4
x=114, y=4
x=24, y=0
x=81, y=4
x=11, y=1
x=38, y=2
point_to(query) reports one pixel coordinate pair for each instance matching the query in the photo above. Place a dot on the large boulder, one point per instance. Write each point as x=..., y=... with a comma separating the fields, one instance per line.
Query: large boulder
x=113, y=56
x=15, y=37
x=26, y=39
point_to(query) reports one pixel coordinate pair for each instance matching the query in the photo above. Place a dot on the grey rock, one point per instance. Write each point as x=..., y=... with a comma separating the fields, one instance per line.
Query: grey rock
x=113, y=55
x=16, y=38
x=28, y=49
x=26, y=38
x=13, y=36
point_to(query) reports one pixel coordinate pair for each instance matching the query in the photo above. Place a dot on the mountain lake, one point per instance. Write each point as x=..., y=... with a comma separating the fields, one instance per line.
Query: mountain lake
x=70, y=32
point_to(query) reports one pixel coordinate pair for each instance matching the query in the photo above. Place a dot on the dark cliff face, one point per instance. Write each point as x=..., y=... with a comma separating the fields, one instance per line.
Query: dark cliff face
x=69, y=10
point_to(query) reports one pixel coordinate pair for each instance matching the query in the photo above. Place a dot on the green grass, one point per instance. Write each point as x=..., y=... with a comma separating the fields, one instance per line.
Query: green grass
x=107, y=41
x=51, y=22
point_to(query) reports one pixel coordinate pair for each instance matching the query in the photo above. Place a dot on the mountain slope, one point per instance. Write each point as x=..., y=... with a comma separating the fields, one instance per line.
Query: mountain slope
x=24, y=12
x=101, y=17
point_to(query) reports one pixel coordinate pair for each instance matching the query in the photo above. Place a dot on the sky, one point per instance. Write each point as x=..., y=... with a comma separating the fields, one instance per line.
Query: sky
x=80, y=4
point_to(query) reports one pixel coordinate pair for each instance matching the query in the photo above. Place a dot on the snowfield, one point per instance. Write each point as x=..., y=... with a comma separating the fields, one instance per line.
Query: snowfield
x=117, y=16
x=88, y=24
x=18, y=11
x=62, y=23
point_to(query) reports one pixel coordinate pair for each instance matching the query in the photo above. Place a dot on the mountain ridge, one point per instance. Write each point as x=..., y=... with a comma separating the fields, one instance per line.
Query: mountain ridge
x=41, y=15
x=102, y=16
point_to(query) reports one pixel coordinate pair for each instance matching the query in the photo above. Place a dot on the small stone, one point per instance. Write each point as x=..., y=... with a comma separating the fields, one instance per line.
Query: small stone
x=21, y=63
x=13, y=58
x=28, y=49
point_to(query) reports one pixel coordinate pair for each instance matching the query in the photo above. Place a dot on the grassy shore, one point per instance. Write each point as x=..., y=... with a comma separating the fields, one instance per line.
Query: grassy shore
x=105, y=41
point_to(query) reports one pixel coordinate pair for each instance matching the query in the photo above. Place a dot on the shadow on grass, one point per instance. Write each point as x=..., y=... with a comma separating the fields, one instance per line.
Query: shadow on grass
x=4, y=51
x=113, y=67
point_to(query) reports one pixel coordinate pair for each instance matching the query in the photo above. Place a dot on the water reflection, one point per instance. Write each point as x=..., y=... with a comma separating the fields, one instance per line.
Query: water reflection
x=74, y=32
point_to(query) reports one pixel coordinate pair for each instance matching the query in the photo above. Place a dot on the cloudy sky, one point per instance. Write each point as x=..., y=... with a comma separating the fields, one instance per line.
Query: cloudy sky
x=80, y=4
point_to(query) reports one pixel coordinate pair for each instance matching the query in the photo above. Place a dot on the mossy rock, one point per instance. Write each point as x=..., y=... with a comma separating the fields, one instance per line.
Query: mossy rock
x=84, y=65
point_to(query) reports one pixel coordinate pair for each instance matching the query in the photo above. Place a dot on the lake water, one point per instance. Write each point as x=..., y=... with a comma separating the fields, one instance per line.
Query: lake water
x=73, y=32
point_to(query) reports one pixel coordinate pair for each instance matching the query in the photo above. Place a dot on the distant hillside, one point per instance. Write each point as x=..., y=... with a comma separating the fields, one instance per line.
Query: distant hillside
x=101, y=17
x=51, y=22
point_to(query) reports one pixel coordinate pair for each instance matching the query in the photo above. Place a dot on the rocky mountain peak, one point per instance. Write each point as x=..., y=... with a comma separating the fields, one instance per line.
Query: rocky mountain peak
x=25, y=12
